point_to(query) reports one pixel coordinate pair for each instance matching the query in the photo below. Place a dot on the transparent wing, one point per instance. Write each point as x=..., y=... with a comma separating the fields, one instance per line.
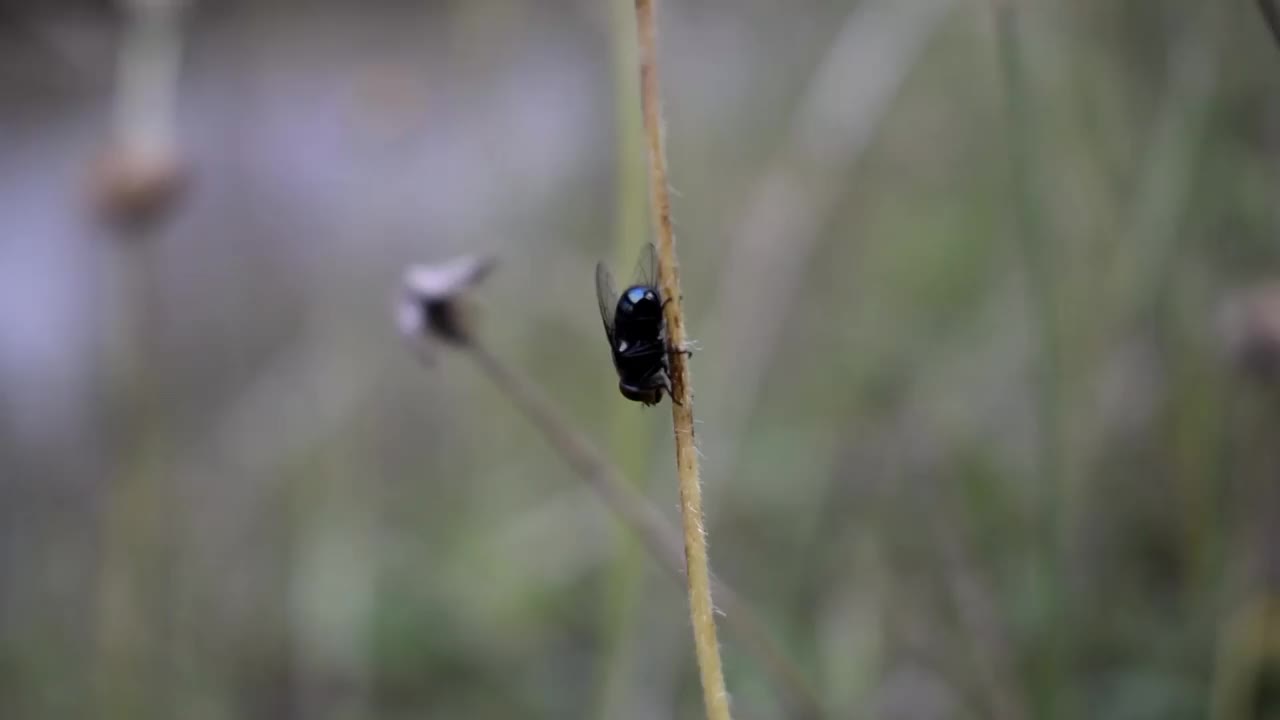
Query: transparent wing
x=647, y=267
x=607, y=297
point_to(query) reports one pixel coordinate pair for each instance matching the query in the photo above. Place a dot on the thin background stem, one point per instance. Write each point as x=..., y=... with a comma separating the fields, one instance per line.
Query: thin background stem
x=633, y=435
x=701, y=610
x=147, y=76
x=657, y=536
x=135, y=634
x=1042, y=291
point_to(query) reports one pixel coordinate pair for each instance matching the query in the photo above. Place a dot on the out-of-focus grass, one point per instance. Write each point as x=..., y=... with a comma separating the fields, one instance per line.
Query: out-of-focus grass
x=359, y=537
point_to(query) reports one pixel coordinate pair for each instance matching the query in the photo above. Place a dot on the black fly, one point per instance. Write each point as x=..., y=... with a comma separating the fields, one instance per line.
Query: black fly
x=636, y=330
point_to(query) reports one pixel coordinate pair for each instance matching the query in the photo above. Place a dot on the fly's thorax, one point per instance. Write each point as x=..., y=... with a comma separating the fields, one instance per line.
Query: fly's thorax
x=641, y=302
x=639, y=315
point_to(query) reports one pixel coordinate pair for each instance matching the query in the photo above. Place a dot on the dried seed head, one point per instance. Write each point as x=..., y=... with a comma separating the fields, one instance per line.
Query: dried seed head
x=133, y=188
x=433, y=298
x=1249, y=324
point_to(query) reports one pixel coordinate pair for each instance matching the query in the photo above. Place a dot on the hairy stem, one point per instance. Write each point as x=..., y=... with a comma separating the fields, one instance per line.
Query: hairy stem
x=698, y=574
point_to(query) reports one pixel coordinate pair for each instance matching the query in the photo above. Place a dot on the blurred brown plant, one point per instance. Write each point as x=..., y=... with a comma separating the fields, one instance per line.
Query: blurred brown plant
x=1249, y=324
x=140, y=175
x=1271, y=14
x=132, y=188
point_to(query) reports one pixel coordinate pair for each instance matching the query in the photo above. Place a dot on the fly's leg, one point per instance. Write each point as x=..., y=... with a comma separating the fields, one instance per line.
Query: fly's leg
x=666, y=384
x=661, y=380
x=684, y=350
x=664, y=302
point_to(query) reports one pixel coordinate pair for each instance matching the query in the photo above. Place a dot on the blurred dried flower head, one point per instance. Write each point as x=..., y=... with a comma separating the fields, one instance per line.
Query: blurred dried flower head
x=133, y=187
x=433, y=298
x=1249, y=324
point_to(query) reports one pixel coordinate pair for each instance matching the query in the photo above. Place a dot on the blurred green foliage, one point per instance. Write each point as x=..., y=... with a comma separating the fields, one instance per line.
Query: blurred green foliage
x=331, y=530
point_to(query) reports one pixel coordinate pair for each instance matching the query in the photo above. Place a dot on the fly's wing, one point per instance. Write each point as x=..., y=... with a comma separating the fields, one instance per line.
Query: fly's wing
x=608, y=299
x=647, y=267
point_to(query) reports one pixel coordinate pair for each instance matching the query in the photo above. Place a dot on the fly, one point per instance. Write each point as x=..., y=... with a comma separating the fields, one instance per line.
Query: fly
x=634, y=324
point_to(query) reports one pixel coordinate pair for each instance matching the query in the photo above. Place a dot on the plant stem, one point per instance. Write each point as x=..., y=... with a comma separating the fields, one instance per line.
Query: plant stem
x=585, y=458
x=1271, y=14
x=631, y=442
x=698, y=574
x=656, y=535
x=1054, y=500
x=147, y=82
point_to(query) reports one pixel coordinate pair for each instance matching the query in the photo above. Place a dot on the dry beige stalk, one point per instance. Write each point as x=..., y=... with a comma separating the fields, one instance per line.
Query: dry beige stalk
x=698, y=573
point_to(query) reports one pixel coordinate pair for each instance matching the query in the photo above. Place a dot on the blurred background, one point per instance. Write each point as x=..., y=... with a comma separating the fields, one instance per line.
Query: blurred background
x=985, y=295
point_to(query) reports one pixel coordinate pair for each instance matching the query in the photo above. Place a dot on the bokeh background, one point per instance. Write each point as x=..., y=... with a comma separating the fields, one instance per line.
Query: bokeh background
x=985, y=378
